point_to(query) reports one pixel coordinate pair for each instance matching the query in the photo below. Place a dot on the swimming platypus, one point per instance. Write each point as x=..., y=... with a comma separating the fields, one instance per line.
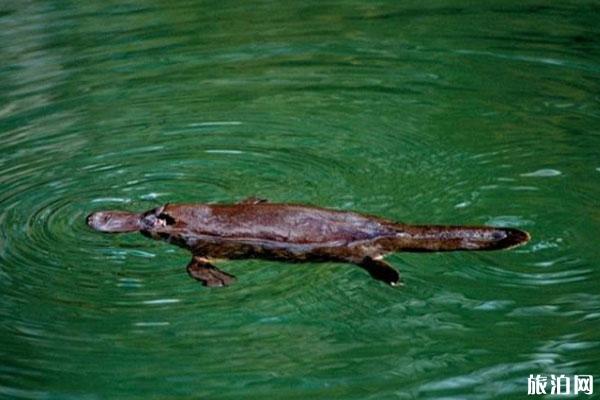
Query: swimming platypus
x=255, y=228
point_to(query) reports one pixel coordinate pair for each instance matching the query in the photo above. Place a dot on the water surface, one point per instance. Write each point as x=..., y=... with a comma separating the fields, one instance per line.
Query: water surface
x=423, y=112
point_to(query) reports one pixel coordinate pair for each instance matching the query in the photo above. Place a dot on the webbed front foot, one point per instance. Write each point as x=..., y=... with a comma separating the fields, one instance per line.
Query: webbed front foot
x=202, y=270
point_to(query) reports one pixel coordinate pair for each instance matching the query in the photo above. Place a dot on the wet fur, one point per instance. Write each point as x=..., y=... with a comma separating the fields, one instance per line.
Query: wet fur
x=296, y=233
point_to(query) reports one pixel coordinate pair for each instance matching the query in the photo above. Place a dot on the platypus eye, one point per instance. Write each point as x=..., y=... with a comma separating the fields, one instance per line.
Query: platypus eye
x=167, y=218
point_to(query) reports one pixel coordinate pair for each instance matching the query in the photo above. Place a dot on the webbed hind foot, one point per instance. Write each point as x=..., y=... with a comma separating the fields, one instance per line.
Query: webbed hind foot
x=381, y=270
x=202, y=270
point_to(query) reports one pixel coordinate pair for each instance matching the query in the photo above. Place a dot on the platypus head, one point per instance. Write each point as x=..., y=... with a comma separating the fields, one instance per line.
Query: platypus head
x=123, y=221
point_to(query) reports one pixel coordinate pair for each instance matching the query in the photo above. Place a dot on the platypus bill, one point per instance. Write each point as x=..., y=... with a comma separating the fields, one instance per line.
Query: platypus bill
x=255, y=228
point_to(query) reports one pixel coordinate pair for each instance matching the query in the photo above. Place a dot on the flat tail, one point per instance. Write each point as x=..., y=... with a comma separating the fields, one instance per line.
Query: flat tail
x=514, y=237
x=453, y=238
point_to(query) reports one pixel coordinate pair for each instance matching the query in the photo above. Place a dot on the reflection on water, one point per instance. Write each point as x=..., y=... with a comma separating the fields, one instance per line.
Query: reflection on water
x=424, y=113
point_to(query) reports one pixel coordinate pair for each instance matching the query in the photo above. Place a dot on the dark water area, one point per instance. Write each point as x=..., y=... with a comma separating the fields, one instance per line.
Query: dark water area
x=446, y=112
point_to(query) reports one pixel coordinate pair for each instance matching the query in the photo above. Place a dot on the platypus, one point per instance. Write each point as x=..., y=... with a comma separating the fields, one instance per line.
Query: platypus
x=256, y=228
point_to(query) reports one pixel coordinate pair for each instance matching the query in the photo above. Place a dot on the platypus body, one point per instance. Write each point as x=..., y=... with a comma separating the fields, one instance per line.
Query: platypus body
x=255, y=228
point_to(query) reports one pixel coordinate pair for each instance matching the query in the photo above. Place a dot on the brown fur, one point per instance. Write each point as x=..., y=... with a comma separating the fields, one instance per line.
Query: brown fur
x=255, y=228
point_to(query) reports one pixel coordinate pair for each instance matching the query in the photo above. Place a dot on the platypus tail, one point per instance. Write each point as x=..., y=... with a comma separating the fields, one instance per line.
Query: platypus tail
x=449, y=238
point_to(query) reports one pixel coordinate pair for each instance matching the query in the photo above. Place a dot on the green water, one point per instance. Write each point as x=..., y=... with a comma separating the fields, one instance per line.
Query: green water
x=424, y=112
